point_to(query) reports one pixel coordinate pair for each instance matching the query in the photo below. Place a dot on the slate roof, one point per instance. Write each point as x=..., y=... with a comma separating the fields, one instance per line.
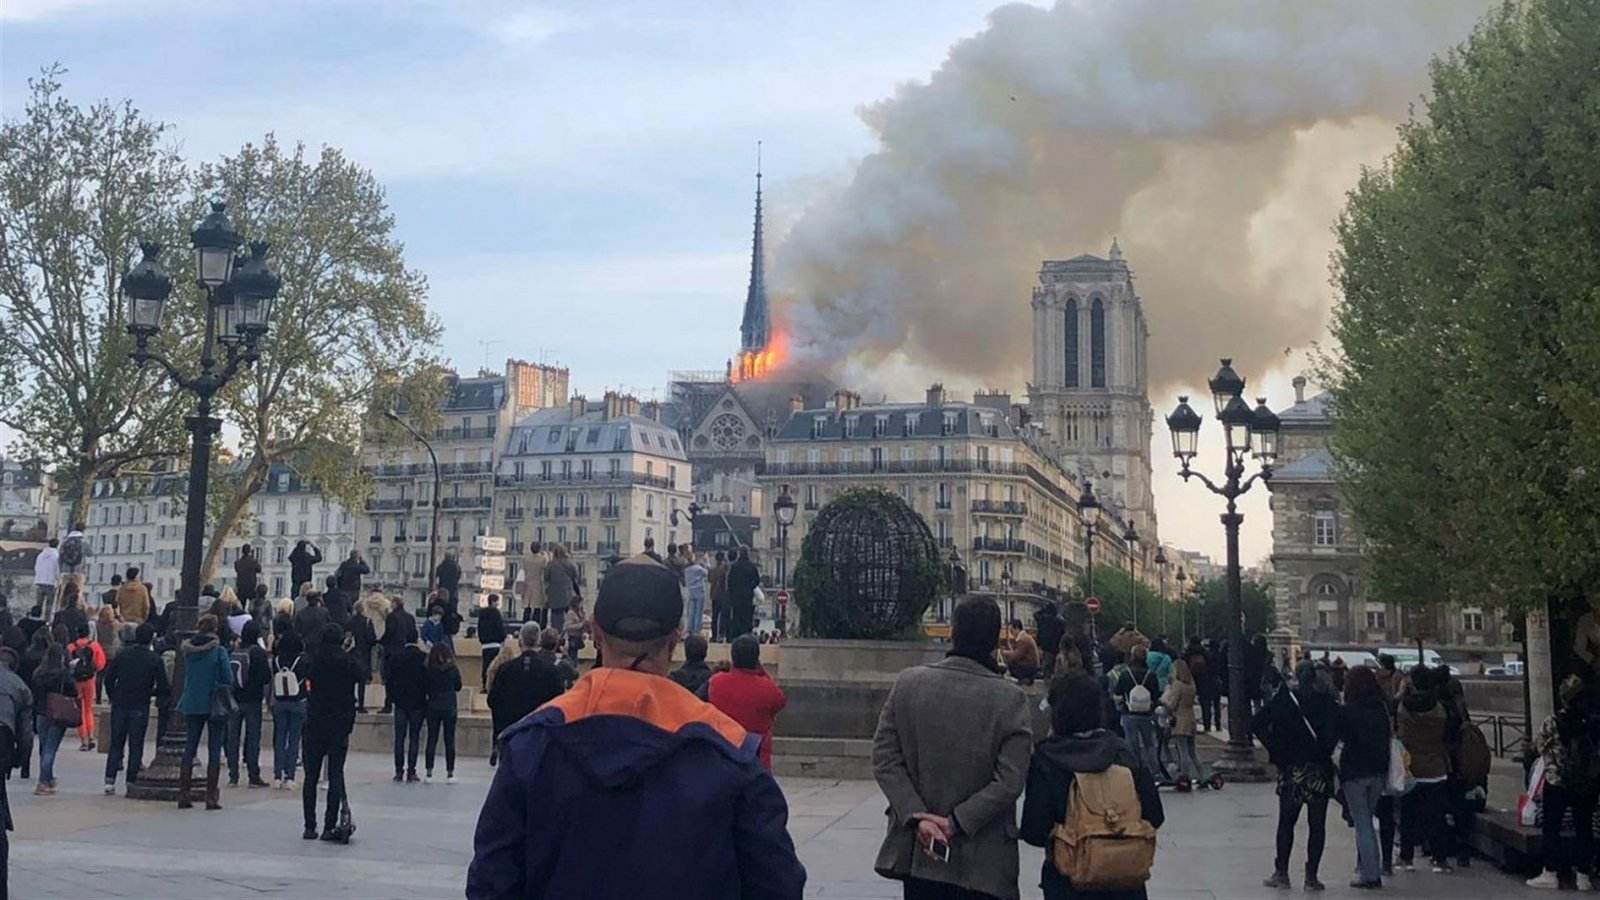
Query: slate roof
x=1314, y=466
x=550, y=432
x=969, y=421
x=1315, y=410
x=475, y=393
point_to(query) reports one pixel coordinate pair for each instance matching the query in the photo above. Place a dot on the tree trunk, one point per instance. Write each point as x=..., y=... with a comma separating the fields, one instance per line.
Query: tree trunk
x=255, y=478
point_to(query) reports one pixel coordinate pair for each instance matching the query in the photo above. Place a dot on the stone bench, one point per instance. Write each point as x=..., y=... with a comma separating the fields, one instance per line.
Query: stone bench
x=1513, y=847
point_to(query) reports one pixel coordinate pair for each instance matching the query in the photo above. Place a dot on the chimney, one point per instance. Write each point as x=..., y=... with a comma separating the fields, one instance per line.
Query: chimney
x=628, y=405
x=613, y=405
x=651, y=410
x=1299, y=389
x=936, y=395
x=845, y=400
x=578, y=405
x=797, y=403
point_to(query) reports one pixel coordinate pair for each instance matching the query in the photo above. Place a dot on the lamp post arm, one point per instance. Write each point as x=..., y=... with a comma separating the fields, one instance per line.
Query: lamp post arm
x=1263, y=476
x=142, y=356
x=1187, y=473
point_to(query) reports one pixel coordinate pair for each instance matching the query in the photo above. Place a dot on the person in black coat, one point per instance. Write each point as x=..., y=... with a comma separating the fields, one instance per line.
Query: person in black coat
x=135, y=676
x=337, y=602
x=491, y=634
x=244, y=726
x=246, y=573
x=1077, y=743
x=407, y=686
x=350, y=572
x=1298, y=727
x=1047, y=622
x=743, y=579
x=1364, y=730
x=694, y=673
x=448, y=577
x=399, y=629
x=525, y=684
x=366, y=637
x=302, y=559
x=330, y=717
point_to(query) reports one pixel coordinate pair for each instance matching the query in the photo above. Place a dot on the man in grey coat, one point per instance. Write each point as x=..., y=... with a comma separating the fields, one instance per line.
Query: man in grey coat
x=951, y=755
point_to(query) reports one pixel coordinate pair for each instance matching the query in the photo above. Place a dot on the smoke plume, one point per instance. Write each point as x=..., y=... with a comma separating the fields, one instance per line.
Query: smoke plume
x=1214, y=138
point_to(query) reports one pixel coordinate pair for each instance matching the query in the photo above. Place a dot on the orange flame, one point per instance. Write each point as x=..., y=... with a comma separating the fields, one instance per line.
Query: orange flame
x=753, y=365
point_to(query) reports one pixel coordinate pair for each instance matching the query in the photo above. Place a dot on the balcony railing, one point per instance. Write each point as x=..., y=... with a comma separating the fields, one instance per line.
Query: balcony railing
x=400, y=539
x=605, y=547
x=467, y=468
x=579, y=546
x=1000, y=507
x=896, y=467
x=942, y=504
x=582, y=512
x=598, y=478
x=390, y=505
x=540, y=512
x=610, y=512
x=419, y=538
x=467, y=502
x=463, y=434
x=561, y=512
x=1000, y=545
x=513, y=515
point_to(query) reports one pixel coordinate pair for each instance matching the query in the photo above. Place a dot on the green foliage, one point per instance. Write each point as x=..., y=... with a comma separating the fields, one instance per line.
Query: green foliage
x=1208, y=610
x=1215, y=614
x=79, y=188
x=868, y=569
x=351, y=322
x=1467, y=385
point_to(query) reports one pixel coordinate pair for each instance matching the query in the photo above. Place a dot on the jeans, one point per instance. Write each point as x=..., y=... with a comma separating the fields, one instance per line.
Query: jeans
x=46, y=595
x=1316, y=823
x=49, y=742
x=436, y=721
x=1580, y=853
x=128, y=726
x=1140, y=731
x=1361, y=795
x=288, y=720
x=407, y=726
x=191, y=741
x=489, y=653
x=320, y=748
x=695, y=614
x=1188, y=762
x=1422, y=821
x=247, y=720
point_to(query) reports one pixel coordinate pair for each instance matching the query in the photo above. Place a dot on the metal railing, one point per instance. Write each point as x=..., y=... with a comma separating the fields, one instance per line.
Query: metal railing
x=1507, y=734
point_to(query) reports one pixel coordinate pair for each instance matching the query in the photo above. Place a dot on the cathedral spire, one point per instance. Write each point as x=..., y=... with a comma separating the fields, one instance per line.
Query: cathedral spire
x=756, y=327
x=1116, y=251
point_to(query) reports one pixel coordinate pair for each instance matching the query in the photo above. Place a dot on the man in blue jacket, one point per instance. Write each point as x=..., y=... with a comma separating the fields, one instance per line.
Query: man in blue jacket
x=628, y=786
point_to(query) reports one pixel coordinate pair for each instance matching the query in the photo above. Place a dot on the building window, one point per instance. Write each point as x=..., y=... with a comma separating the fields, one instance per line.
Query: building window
x=850, y=423
x=1326, y=532
x=1097, y=344
x=1377, y=619
x=1472, y=621
x=877, y=459
x=880, y=425
x=1324, y=618
x=1326, y=589
x=944, y=495
x=1071, y=340
x=818, y=423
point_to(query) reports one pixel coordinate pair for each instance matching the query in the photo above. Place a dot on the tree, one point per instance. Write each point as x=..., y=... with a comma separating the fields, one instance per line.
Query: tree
x=1467, y=381
x=79, y=187
x=351, y=323
x=1216, y=613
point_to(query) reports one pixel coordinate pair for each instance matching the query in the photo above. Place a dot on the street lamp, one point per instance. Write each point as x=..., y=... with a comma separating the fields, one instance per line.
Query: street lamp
x=1005, y=592
x=1247, y=433
x=783, y=510
x=1183, y=607
x=1089, y=514
x=1161, y=569
x=239, y=303
x=438, y=493
x=1130, y=538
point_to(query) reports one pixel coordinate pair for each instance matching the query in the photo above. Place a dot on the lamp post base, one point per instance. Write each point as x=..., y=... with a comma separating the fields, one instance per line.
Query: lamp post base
x=159, y=779
x=1239, y=764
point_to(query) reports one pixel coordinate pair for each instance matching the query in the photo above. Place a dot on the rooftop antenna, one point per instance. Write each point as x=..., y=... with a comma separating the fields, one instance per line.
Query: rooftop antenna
x=486, y=345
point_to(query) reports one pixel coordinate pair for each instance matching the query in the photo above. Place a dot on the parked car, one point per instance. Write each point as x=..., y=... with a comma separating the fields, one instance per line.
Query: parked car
x=1352, y=658
x=1513, y=669
x=1406, y=657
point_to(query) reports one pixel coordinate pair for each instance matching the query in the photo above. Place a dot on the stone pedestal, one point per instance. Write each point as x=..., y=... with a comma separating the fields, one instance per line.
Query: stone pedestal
x=811, y=659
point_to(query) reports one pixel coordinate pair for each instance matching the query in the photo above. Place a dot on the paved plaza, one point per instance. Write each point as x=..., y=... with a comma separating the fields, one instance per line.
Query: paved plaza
x=415, y=842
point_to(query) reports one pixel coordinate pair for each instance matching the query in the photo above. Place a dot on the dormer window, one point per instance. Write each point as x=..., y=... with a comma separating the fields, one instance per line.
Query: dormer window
x=912, y=421
x=949, y=426
x=818, y=423
x=880, y=425
x=850, y=423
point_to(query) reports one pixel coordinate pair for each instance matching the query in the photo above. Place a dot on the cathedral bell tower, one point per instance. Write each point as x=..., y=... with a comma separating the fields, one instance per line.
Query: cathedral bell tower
x=1091, y=389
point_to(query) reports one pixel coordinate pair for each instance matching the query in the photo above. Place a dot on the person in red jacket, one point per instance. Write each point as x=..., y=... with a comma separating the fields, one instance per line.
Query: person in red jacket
x=85, y=660
x=747, y=693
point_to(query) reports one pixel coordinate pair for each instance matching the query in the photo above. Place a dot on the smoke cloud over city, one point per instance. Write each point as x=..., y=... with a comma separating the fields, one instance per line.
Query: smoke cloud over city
x=1213, y=138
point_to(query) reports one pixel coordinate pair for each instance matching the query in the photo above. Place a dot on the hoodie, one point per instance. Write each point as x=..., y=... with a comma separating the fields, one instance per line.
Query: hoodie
x=206, y=669
x=1056, y=762
x=636, y=758
x=1420, y=725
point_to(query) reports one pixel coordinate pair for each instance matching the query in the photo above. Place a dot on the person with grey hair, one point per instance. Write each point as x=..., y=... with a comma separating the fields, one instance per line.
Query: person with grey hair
x=524, y=684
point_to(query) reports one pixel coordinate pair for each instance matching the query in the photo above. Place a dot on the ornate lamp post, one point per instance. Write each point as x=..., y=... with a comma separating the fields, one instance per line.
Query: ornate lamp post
x=783, y=510
x=1130, y=539
x=1183, y=606
x=240, y=294
x=1246, y=432
x=438, y=493
x=1161, y=569
x=1089, y=514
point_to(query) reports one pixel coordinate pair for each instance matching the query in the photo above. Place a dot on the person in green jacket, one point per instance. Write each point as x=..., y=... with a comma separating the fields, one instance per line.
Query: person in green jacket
x=206, y=671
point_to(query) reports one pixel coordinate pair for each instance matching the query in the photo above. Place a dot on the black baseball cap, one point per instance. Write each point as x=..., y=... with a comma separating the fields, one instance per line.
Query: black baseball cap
x=639, y=600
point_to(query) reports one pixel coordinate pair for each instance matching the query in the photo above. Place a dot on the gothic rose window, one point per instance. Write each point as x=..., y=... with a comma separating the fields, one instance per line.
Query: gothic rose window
x=727, y=431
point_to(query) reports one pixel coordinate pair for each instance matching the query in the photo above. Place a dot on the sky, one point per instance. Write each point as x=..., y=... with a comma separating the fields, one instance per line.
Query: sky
x=575, y=179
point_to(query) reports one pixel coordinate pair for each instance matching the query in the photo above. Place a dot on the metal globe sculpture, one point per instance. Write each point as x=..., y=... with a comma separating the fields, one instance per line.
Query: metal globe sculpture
x=868, y=569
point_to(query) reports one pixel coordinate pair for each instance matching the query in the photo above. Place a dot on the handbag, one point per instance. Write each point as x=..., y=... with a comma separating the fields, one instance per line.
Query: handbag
x=1398, y=781
x=62, y=711
x=223, y=706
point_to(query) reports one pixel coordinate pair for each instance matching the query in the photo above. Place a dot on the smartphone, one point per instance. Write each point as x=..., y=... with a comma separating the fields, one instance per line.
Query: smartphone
x=939, y=849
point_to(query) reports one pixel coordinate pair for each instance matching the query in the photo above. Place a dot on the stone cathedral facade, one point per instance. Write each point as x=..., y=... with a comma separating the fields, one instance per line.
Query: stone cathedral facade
x=1091, y=389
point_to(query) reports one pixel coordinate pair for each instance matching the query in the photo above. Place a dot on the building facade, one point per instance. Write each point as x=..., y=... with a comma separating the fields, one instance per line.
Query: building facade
x=597, y=478
x=1091, y=389
x=286, y=511
x=1316, y=555
x=989, y=494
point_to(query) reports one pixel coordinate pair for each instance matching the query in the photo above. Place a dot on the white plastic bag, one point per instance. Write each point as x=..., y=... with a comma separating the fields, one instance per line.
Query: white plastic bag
x=1398, y=782
x=1529, y=804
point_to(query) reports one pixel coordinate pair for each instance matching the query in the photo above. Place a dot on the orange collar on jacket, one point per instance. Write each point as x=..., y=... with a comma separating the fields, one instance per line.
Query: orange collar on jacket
x=649, y=698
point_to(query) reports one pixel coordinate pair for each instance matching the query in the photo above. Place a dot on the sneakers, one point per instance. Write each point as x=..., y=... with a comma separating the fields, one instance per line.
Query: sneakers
x=1313, y=885
x=310, y=834
x=399, y=777
x=1441, y=867
x=43, y=789
x=1406, y=865
x=1278, y=880
x=450, y=777
x=411, y=778
x=277, y=784
x=233, y=780
x=256, y=782
x=1546, y=880
x=288, y=785
x=430, y=775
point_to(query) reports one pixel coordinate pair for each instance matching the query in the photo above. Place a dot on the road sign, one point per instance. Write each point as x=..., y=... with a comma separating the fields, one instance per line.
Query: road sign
x=783, y=598
x=491, y=563
x=1093, y=603
x=492, y=582
x=489, y=544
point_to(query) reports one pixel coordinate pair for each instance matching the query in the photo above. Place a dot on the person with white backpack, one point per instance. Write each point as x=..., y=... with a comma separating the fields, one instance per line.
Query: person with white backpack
x=1137, y=691
x=288, y=700
x=1089, y=802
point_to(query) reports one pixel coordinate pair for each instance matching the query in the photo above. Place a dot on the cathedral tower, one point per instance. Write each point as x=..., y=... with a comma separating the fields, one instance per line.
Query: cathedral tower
x=1090, y=389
